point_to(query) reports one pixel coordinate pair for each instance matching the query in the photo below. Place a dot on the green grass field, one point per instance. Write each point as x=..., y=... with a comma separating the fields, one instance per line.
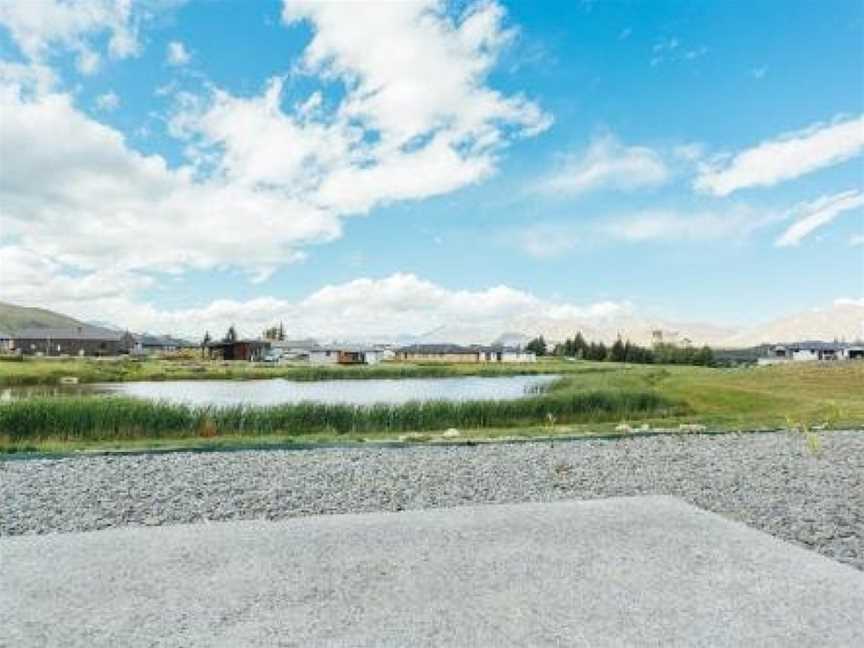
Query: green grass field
x=18, y=371
x=590, y=398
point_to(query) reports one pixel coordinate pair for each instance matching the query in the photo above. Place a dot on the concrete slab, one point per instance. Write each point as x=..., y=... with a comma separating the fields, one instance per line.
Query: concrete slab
x=636, y=571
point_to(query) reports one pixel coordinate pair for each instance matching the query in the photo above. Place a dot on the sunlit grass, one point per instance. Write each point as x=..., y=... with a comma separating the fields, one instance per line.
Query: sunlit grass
x=589, y=398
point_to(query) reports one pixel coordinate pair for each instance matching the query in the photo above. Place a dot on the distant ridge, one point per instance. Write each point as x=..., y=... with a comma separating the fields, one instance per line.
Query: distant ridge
x=16, y=318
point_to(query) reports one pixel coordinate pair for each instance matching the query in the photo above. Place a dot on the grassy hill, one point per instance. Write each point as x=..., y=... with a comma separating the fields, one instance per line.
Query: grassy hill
x=15, y=318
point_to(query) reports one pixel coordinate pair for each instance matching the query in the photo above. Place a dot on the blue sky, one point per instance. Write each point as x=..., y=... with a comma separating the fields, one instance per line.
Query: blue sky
x=686, y=160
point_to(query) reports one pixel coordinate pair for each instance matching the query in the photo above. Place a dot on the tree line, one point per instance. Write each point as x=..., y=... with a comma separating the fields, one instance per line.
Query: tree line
x=624, y=351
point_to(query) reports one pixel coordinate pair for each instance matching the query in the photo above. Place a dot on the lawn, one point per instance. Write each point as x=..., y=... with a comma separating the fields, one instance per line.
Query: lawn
x=590, y=399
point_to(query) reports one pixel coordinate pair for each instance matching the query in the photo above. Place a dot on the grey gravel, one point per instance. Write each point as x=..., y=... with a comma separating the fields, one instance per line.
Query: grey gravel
x=770, y=481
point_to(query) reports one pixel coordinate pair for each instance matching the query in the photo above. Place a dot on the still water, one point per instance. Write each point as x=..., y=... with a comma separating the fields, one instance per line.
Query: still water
x=276, y=391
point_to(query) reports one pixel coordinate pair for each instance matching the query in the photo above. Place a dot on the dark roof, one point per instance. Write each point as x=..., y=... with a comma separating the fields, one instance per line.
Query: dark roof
x=72, y=333
x=146, y=339
x=816, y=345
x=221, y=343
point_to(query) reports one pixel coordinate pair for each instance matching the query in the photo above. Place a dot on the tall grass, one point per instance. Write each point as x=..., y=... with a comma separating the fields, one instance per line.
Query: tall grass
x=112, y=418
x=49, y=371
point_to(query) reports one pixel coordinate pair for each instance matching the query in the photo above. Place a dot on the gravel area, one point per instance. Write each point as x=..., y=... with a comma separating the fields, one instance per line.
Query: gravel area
x=769, y=481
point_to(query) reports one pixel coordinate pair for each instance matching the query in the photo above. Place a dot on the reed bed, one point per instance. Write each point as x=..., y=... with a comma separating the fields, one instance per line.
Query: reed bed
x=117, y=419
x=50, y=371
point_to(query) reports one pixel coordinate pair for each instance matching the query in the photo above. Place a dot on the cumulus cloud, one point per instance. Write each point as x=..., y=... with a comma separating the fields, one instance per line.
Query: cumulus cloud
x=818, y=213
x=366, y=307
x=177, y=54
x=108, y=101
x=787, y=157
x=87, y=199
x=607, y=164
x=43, y=27
x=263, y=180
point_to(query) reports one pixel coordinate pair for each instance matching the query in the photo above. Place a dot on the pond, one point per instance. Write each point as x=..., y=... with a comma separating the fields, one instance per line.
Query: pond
x=278, y=391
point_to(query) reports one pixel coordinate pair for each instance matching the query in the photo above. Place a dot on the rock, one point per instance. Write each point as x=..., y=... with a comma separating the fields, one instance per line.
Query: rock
x=451, y=433
x=762, y=480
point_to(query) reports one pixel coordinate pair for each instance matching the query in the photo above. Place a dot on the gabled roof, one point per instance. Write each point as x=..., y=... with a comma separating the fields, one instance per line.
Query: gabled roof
x=72, y=333
x=146, y=339
x=221, y=343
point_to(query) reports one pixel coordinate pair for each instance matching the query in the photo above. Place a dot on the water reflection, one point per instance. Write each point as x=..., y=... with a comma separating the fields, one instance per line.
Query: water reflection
x=277, y=391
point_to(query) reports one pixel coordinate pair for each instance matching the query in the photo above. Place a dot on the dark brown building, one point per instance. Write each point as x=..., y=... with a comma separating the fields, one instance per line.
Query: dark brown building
x=78, y=340
x=249, y=350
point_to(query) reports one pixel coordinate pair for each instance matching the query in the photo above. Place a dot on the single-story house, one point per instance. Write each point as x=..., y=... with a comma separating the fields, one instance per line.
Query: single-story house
x=812, y=351
x=146, y=344
x=79, y=340
x=855, y=352
x=454, y=353
x=248, y=350
x=345, y=355
x=298, y=350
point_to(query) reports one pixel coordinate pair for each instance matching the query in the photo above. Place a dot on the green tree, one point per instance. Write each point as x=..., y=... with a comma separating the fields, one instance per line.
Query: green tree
x=205, y=342
x=616, y=351
x=537, y=345
x=231, y=335
x=580, y=346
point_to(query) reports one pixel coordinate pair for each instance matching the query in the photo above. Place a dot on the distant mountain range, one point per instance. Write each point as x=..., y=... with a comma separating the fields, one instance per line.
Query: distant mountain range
x=16, y=318
x=844, y=320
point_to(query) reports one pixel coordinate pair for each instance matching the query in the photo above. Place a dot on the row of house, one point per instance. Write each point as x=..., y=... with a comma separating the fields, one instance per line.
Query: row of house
x=812, y=351
x=276, y=351
x=88, y=340
x=85, y=340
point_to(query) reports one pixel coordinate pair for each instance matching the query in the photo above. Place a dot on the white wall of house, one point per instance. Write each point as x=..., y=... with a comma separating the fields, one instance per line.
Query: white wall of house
x=518, y=356
x=321, y=356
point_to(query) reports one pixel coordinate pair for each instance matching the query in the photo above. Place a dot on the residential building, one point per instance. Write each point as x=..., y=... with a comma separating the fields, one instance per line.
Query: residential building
x=80, y=340
x=248, y=350
x=812, y=351
x=345, y=355
x=456, y=354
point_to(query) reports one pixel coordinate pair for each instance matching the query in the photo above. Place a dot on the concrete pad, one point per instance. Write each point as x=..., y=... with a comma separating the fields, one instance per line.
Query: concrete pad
x=635, y=571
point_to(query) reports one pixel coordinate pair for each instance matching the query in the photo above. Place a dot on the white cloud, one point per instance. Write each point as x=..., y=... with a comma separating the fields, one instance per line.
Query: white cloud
x=30, y=277
x=88, y=62
x=857, y=240
x=419, y=124
x=365, y=307
x=670, y=225
x=265, y=180
x=787, y=157
x=86, y=200
x=177, y=54
x=545, y=240
x=43, y=27
x=108, y=101
x=818, y=213
x=607, y=164
x=849, y=301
